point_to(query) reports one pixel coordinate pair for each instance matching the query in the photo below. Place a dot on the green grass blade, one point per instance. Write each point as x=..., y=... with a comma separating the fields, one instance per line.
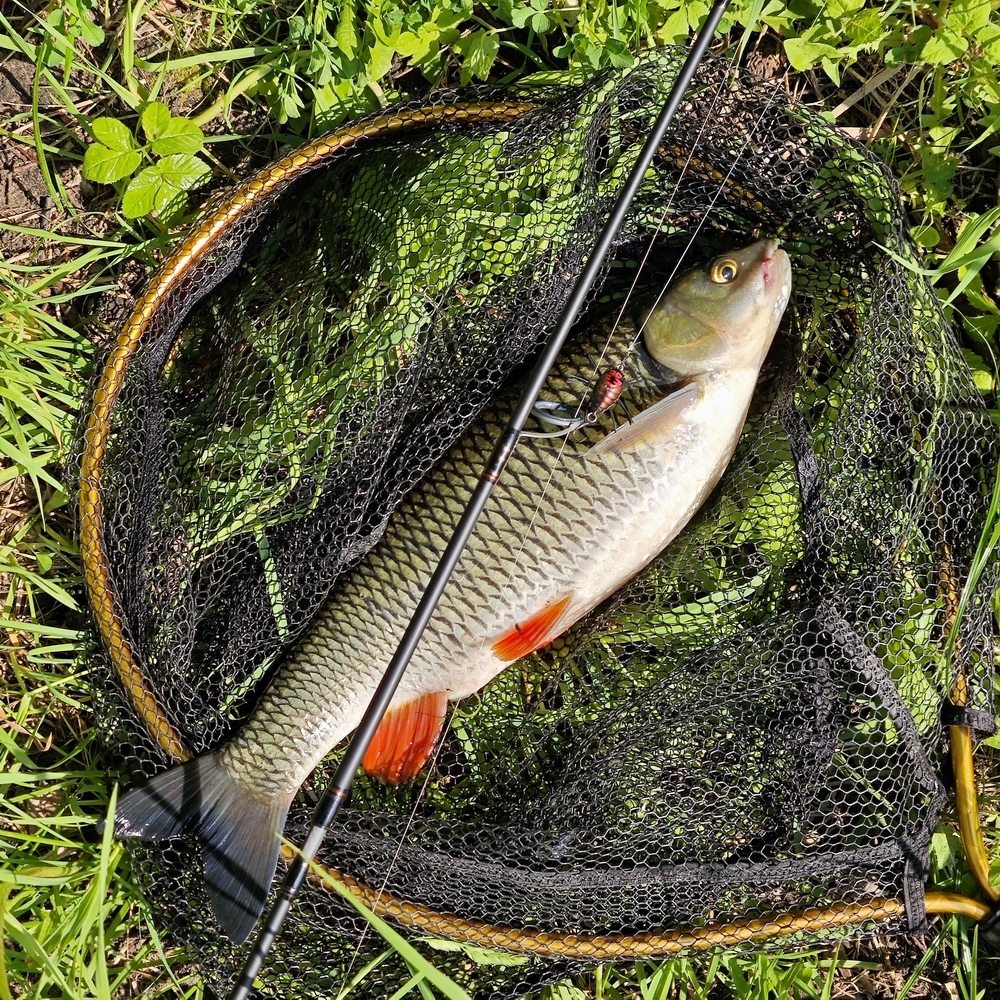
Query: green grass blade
x=409, y=954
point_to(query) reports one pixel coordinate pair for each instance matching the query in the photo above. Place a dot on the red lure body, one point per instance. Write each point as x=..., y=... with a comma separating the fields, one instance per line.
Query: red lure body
x=605, y=393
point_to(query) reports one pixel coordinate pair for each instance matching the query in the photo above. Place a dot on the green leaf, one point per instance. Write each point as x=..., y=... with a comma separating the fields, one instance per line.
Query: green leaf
x=184, y=171
x=926, y=237
x=481, y=956
x=113, y=134
x=540, y=23
x=92, y=34
x=145, y=193
x=322, y=64
x=109, y=165
x=424, y=46
x=838, y=9
x=803, y=54
x=989, y=39
x=520, y=15
x=155, y=120
x=674, y=30
x=866, y=28
x=982, y=374
x=346, y=35
x=618, y=53
x=832, y=69
x=981, y=327
x=378, y=62
x=300, y=34
x=57, y=18
x=161, y=188
x=909, y=50
x=73, y=19
x=181, y=135
x=967, y=16
x=943, y=46
x=479, y=50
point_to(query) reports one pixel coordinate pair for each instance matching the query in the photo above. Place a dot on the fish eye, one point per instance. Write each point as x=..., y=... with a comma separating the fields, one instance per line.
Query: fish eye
x=722, y=270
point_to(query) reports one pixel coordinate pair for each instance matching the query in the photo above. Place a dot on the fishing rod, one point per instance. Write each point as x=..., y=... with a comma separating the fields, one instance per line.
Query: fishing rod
x=336, y=794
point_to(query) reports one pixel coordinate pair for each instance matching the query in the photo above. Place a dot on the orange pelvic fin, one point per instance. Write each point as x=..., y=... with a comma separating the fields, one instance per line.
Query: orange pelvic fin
x=405, y=738
x=533, y=634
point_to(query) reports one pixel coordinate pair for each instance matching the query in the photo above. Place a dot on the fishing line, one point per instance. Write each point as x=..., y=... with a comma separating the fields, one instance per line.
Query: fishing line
x=517, y=562
x=704, y=217
x=708, y=211
x=428, y=772
x=337, y=791
x=733, y=65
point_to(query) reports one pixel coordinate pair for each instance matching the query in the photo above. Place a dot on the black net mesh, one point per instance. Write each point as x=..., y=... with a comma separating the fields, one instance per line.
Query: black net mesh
x=750, y=728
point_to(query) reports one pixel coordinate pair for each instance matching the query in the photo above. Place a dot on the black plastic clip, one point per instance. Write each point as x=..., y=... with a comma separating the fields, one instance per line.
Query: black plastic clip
x=989, y=933
x=981, y=723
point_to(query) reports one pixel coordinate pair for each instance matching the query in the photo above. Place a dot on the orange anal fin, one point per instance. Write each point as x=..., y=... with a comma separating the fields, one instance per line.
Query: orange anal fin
x=405, y=738
x=533, y=634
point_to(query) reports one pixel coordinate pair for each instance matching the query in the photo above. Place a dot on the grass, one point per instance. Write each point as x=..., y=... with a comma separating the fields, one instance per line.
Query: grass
x=256, y=77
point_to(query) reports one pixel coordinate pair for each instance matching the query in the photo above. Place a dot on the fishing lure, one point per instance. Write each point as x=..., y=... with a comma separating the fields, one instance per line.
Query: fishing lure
x=606, y=392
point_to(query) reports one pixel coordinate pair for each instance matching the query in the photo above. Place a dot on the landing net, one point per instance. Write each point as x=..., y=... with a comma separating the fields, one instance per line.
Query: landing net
x=744, y=737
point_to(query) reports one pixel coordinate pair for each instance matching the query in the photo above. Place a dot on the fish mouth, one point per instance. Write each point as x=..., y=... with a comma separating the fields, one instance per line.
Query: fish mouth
x=768, y=264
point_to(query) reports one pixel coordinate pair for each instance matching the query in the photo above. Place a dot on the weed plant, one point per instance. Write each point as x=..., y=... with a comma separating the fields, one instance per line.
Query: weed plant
x=129, y=116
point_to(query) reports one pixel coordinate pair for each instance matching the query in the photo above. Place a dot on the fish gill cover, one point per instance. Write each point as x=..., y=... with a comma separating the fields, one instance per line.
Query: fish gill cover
x=750, y=728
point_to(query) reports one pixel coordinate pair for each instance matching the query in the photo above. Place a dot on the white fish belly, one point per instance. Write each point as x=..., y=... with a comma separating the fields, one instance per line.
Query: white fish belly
x=638, y=502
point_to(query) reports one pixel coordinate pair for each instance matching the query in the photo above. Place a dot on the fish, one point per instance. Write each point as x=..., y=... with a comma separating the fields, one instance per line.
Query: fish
x=570, y=521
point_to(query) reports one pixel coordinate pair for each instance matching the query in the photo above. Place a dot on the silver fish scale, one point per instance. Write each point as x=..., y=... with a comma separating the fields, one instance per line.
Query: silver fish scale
x=543, y=514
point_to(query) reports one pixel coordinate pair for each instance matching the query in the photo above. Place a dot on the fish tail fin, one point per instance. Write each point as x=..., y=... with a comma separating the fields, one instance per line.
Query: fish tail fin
x=240, y=833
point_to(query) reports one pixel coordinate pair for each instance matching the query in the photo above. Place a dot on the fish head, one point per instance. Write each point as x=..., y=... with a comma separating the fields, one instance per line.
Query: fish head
x=722, y=315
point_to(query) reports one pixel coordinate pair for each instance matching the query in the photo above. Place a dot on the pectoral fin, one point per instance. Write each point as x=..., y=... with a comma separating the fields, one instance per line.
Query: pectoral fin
x=405, y=738
x=652, y=424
